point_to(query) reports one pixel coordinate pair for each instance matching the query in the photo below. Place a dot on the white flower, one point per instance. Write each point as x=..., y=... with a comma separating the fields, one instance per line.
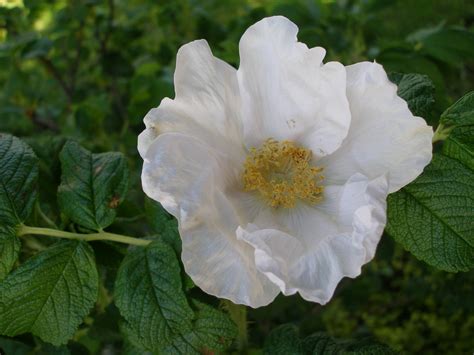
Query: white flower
x=237, y=156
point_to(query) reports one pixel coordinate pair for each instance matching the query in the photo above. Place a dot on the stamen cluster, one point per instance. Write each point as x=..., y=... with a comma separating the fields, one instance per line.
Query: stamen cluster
x=282, y=173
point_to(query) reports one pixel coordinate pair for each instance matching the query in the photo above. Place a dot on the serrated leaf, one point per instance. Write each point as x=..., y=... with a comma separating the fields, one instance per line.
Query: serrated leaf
x=321, y=343
x=92, y=185
x=9, y=249
x=18, y=180
x=459, y=119
x=283, y=340
x=433, y=217
x=150, y=296
x=51, y=293
x=461, y=113
x=212, y=331
x=417, y=90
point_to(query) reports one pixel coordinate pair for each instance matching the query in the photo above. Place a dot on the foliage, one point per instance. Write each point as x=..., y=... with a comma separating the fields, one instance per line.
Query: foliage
x=77, y=78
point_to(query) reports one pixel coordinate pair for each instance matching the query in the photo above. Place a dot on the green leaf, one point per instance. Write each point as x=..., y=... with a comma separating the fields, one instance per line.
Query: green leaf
x=50, y=294
x=162, y=223
x=18, y=180
x=9, y=250
x=458, y=120
x=13, y=347
x=417, y=90
x=212, y=331
x=48, y=349
x=149, y=295
x=433, y=217
x=92, y=185
x=156, y=215
x=321, y=343
x=283, y=340
x=451, y=45
x=461, y=113
x=133, y=342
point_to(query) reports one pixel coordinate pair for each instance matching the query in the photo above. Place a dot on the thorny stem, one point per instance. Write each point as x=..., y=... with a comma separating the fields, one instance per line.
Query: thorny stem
x=25, y=230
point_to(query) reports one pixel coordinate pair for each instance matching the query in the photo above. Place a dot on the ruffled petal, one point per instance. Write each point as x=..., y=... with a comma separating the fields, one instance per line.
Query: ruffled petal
x=302, y=258
x=384, y=137
x=207, y=103
x=220, y=264
x=189, y=178
x=286, y=91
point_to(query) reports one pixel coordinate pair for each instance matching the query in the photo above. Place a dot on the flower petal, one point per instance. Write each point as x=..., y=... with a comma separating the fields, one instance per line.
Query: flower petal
x=286, y=91
x=384, y=137
x=206, y=105
x=188, y=177
x=179, y=171
x=220, y=264
x=313, y=263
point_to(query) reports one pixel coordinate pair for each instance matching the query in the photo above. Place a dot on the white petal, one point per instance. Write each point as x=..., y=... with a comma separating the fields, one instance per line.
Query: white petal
x=286, y=91
x=305, y=259
x=384, y=137
x=220, y=264
x=188, y=177
x=206, y=105
x=178, y=171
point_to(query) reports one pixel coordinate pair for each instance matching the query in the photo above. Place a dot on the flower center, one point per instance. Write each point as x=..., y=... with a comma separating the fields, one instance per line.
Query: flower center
x=282, y=174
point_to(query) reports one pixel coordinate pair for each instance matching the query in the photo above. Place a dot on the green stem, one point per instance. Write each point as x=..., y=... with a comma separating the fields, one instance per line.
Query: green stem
x=44, y=216
x=24, y=230
x=441, y=133
x=238, y=313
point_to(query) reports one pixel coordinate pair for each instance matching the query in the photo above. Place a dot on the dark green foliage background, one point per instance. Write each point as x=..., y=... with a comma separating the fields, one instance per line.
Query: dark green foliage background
x=90, y=70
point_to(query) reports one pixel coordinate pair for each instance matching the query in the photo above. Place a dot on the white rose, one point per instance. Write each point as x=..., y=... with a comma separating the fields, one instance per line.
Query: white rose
x=278, y=172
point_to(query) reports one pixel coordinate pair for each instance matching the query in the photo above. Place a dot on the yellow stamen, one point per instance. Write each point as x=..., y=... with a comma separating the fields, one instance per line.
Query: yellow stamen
x=282, y=174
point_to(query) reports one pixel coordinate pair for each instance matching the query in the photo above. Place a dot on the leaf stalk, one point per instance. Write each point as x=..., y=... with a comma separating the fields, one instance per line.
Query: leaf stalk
x=27, y=230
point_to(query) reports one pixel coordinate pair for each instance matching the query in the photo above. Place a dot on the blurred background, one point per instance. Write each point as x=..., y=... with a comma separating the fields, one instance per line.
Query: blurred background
x=90, y=70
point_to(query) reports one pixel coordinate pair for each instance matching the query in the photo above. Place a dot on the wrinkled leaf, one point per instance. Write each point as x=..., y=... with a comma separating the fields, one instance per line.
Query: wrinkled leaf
x=459, y=119
x=92, y=185
x=149, y=295
x=212, y=331
x=50, y=294
x=283, y=340
x=9, y=250
x=433, y=217
x=417, y=90
x=18, y=180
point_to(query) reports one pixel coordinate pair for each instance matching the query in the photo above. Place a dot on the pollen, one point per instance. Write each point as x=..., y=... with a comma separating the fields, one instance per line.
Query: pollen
x=282, y=173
